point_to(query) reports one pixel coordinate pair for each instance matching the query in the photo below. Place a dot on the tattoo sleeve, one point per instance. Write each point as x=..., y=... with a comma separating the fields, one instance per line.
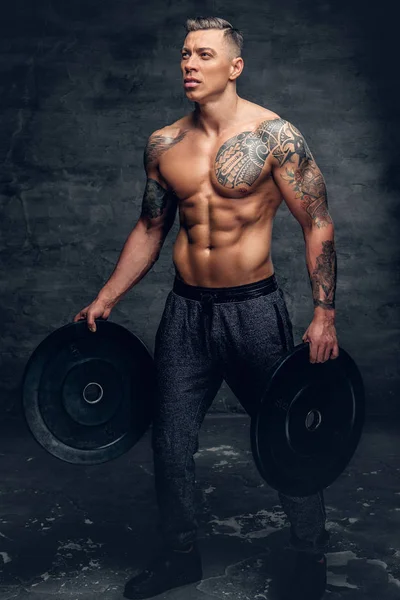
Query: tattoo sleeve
x=157, y=201
x=305, y=184
x=323, y=277
x=304, y=177
x=154, y=199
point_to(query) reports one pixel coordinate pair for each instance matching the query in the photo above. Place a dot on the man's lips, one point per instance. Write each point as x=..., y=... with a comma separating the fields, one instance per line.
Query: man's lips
x=191, y=83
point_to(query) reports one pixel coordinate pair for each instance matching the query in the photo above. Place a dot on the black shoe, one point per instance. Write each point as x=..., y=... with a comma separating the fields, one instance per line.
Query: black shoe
x=168, y=570
x=303, y=577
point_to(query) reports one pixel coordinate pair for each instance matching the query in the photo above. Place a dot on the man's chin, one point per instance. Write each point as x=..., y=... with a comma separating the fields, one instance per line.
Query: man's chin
x=190, y=93
x=194, y=95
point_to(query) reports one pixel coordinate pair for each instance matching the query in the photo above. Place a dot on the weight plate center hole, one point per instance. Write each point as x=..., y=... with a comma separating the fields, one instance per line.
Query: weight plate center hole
x=313, y=420
x=93, y=393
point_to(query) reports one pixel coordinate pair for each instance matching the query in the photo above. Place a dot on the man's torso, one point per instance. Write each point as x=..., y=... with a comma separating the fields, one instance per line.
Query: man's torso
x=227, y=198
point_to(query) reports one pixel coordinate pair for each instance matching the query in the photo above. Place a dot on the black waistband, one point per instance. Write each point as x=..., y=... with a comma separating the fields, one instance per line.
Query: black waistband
x=227, y=294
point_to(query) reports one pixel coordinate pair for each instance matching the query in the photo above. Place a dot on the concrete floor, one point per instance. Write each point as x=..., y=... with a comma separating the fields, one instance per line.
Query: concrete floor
x=80, y=532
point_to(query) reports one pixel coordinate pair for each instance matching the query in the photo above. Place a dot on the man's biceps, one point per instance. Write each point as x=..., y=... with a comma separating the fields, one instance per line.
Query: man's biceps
x=298, y=210
x=289, y=196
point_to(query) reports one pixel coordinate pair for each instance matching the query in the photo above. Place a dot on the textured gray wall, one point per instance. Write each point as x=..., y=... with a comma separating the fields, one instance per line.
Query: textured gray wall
x=83, y=84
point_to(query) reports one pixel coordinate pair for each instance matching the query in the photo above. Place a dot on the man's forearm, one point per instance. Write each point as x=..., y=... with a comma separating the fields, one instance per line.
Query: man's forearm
x=140, y=252
x=322, y=269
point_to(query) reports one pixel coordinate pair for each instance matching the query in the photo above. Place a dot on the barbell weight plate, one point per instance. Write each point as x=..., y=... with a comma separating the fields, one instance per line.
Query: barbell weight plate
x=309, y=422
x=88, y=397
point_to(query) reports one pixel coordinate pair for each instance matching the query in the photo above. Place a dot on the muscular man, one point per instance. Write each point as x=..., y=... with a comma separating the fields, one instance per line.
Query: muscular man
x=226, y=167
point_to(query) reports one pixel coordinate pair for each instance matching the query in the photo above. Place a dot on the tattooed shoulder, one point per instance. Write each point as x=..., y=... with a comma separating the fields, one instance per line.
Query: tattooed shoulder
x=241, y=159
x=158, y=143
x=284, y=141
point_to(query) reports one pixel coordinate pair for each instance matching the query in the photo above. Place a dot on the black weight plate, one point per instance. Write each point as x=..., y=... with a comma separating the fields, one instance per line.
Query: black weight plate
x=88, y=397
x=309, y=422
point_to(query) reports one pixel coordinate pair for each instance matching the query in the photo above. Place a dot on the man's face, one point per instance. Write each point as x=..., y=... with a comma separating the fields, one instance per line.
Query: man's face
x=206, y=64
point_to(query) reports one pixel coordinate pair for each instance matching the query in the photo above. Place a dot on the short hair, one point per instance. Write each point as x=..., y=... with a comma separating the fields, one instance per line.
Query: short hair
x=232, y=35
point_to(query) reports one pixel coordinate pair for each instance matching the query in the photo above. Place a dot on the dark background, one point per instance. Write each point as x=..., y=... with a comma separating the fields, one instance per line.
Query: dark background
x=85, y=82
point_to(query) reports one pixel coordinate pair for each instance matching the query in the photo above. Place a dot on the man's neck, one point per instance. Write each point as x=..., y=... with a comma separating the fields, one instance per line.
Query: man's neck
x=216, y=115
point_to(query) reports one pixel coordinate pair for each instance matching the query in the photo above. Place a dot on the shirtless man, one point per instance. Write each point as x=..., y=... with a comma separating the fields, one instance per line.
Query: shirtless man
x=225, y=167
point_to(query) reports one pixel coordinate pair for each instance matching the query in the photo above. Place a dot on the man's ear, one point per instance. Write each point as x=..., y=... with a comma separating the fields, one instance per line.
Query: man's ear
x=236, y=68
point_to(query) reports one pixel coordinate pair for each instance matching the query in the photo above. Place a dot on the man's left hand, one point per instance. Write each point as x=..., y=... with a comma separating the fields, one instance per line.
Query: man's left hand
x=321, y=335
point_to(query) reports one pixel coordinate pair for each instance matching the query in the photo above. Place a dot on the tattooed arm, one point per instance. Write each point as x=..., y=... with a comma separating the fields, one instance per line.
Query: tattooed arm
x=159, y=204
x=303, y=189
x=143, y=245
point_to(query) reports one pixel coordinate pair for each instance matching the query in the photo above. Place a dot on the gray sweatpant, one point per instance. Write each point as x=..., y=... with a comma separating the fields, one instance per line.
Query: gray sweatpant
x=207, y=335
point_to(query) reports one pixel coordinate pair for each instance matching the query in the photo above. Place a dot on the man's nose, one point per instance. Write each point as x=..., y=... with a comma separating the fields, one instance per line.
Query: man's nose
x=191, y=65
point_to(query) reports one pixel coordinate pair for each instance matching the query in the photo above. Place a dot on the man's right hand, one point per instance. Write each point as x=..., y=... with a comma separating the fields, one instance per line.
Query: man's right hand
x=98, y=309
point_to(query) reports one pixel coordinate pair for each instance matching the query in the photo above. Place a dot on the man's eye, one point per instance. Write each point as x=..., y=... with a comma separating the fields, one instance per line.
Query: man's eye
x=184, y=54
x=205, y=54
